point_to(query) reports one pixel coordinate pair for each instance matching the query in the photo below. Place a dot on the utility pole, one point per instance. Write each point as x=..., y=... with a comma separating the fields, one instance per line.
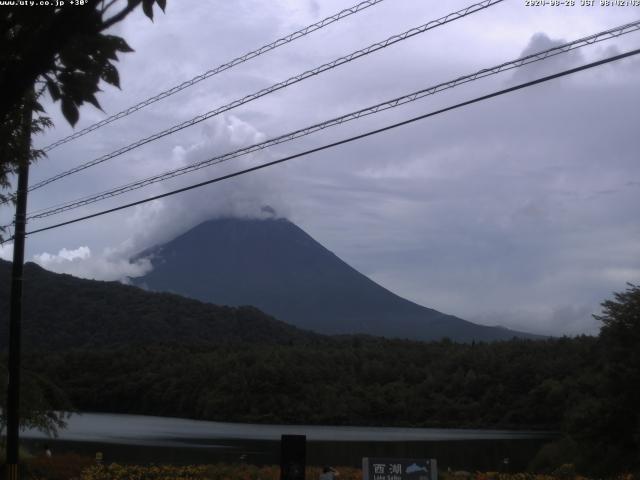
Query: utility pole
x=15, y=315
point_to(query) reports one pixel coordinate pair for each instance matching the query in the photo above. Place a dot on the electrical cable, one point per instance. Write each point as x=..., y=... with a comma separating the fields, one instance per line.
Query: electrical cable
x=290, y=81
x=347, y=140
x=214, y=71
x=535, y=57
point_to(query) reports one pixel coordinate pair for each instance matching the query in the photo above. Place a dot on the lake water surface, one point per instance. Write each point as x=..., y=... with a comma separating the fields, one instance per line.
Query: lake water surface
x=145, y=439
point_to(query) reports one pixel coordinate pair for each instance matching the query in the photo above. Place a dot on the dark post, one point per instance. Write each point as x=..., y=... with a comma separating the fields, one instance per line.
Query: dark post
x=293, y=457
x=15, y=318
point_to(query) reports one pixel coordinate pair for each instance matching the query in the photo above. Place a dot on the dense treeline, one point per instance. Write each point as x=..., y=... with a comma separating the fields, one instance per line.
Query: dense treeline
x=364, y=381
x=63, y=312
x=585, y=387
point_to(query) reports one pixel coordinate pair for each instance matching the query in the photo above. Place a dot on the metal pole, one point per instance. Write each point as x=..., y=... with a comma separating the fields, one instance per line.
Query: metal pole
x=15, y=318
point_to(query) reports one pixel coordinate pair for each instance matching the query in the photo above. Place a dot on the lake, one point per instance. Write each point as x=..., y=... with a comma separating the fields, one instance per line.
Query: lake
x=146, y=439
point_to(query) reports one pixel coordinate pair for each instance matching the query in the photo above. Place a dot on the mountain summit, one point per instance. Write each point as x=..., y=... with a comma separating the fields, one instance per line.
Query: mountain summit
x=274, y=265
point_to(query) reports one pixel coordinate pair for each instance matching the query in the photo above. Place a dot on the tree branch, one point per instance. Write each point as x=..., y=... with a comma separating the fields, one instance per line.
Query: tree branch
x=120, y=15
x=108, y=6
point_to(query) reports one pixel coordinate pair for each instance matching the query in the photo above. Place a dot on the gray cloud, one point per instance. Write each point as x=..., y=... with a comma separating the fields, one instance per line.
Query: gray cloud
x=539, y=42
x=518, y=211
x=569, y=319
x=166, y=218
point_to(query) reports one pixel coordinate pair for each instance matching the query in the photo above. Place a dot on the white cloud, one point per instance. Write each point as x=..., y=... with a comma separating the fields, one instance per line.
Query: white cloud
x=63, y=256
x=112, y=264
x=163, y=219
x=6, y=251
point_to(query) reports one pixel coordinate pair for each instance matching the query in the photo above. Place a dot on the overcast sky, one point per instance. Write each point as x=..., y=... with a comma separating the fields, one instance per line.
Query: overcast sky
x=520, y=211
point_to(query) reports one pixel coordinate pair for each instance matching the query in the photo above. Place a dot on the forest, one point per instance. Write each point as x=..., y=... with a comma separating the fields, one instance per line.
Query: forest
x=563, y=385
x=585, y=389
x=363, y=381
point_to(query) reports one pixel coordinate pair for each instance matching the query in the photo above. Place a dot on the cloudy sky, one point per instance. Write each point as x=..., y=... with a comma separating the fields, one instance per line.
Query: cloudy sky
x=520, y=211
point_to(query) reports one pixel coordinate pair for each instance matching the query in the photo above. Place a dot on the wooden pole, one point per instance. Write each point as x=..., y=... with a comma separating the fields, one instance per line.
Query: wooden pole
x=15, y=316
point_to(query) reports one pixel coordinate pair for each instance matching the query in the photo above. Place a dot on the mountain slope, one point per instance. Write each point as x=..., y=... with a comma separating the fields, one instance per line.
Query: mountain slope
x=61, y=311
x=277, y=267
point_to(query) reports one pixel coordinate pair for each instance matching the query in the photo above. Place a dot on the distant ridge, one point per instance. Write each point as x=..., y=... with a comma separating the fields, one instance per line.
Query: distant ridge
x=277, y=267
x=64, y=312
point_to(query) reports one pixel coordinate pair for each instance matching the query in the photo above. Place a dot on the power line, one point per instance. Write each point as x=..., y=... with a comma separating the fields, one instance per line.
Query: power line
x=290, y=81
x=347, y=140
x=535, y=57
x=220, y=68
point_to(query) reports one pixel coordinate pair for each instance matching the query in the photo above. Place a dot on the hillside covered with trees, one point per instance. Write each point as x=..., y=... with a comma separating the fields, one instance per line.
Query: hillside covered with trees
x=108, y=347
x=570, y=386
x=64, y=312
x=344, y=381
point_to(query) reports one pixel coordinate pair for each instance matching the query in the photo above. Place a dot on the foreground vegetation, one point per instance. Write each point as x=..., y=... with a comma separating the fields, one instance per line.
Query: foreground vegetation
x=74, y=467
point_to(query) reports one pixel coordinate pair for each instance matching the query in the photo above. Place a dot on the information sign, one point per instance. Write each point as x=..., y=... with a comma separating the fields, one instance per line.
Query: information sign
x=399, y=469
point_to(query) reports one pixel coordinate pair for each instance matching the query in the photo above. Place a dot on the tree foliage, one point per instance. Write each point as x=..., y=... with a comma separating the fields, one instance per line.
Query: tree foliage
x=43, y=405
x=603, y=425
x=617, y=427
x=65, y=48
x=15, y=138
x=334, y=381
x=62, y=50
x=116, y=348
x=65, y=51
x=63, y=312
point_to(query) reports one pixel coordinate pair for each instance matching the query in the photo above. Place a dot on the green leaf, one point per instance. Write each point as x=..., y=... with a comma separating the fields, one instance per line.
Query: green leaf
x=79, y=85
x=162, y=4
x=107, y=50
x=91, y=98
x=118, y=43
x=37, y=107
x=70, y=111
x=110, y=75
x=147, y=8
x=74, y=55
x=54, y=91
